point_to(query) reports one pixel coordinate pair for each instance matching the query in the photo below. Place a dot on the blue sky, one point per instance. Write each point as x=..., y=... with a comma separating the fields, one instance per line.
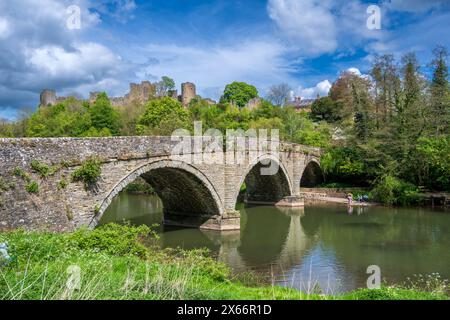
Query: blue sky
x=305, y=43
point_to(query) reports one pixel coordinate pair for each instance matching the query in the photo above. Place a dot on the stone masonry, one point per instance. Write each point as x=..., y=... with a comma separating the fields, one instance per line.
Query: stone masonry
x=195, y=195
x=139, y=93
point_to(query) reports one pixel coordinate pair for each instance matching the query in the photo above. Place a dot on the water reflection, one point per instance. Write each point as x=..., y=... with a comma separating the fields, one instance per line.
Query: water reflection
x=319, y=244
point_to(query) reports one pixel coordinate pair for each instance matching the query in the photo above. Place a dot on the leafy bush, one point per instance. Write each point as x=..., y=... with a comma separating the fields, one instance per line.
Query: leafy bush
x=239, y=93
x=392, y=293
x=434, y=161
x=32, y=187
x=89, y=172
x=5, y=186
x=62, y=184
x=40, y=168
x=393, y=191
x=139, y=187
x=344, y=164
x=20, y=173
x=160, y=114
x=113, y=239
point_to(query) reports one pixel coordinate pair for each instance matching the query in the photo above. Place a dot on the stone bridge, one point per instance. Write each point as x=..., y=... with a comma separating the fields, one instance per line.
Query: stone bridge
x=194, y=195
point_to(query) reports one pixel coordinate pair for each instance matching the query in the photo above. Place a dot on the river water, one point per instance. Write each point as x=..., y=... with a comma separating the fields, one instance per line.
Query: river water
x=322, y=245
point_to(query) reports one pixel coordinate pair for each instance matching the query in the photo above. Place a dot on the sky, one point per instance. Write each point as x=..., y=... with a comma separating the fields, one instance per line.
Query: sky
x=305, y=43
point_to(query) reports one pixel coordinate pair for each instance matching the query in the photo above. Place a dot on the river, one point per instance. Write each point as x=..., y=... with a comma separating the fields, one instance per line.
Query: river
x=321, y=244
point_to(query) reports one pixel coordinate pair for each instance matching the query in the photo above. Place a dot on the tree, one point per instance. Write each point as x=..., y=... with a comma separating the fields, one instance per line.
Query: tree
x=164, y=86
x=279, y=94
x=158, y=113
x=103, y=115
x=341, y=93
x=239, y=93
x=326, y=109
x=440, y=96
x=387, y=82
x=362, y=126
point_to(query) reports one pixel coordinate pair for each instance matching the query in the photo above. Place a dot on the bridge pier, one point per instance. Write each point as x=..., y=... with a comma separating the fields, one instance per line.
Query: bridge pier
x=289, y=201
x=227, y=221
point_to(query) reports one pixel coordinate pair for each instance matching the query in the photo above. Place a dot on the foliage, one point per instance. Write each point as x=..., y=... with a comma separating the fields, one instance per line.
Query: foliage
x=392, y=191
x=239, y=93
x=139, y=186
x=164, y=86
x=392, y=293
x=69, y=118
x=88, y=173
x=345, y=164
x=62, y=184
x=32, y=187
x=20, y=173
x=41, y=168
x=163, y=116
x=279, y=94
x=434, y=161
x=5, y=186
x=112, y=239
x=103, y=116
x=116, y=265
x=326, y=109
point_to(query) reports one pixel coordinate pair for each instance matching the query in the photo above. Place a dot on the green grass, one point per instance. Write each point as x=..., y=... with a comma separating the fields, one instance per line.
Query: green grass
x=122, y=262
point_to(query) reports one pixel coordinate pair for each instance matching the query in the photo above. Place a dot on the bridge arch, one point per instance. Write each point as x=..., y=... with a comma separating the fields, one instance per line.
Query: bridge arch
x=312, y=174
x=183, y=189
x=265, y=188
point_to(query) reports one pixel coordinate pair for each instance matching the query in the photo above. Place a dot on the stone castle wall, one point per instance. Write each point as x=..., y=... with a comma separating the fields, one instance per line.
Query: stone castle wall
x=139, y=93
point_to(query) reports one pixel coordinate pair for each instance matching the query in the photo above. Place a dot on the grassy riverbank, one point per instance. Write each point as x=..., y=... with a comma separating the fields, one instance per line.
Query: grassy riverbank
x=114, y=263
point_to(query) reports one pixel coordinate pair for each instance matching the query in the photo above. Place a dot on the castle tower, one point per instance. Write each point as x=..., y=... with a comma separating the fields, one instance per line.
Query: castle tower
x=187, y=93
x=48, y=97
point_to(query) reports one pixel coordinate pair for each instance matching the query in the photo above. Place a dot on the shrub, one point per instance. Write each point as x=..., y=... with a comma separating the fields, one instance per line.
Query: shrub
x=113, y=239
x=139, y=187
x=32, y=187
x=393, y=191
x=62, y=184
x=40, y=168
x=20, y=173
x=88, y=173
x=5, y=186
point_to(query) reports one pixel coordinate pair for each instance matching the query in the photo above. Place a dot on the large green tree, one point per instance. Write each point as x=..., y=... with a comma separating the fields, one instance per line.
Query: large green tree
x=440, y=96
x=239, y=93
x=163, y=116
x=103, y=115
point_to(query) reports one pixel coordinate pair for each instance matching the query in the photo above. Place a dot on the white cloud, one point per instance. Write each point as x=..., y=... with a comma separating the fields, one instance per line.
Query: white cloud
x=258, y=62
x=321, y=89
x=38, y=51
x=309, y=24
x=315, y=27
x=81, y=63
x=4, y=28
x=354, y=70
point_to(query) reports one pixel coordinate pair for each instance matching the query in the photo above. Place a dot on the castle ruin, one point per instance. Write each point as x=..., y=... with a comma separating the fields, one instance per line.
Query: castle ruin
x=188, y=93
x=139, y=93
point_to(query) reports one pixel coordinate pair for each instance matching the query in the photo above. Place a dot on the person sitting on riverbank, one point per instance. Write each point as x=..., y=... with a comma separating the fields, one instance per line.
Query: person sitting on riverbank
x=350, y=199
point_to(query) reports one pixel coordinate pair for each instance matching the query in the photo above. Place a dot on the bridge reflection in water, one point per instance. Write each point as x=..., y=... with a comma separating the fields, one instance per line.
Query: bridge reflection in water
x=324, y=245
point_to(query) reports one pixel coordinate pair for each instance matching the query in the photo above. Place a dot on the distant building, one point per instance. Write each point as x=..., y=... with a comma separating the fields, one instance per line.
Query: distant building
x=139, y=93
x=188, y=92
x=48, y=97
x=301, y=104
